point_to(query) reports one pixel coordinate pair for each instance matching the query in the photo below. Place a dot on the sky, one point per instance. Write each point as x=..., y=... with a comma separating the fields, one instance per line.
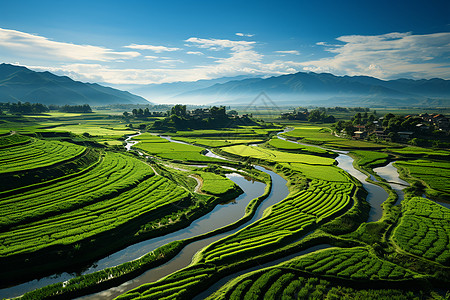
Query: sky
x=133, y=43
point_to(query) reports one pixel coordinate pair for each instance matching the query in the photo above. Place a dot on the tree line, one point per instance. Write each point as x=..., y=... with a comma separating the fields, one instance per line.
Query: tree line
x=38, y=108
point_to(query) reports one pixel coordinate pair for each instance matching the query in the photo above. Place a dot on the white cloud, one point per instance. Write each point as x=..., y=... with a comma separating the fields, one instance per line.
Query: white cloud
x=30, y=45
x=244, y=34
x=242, y=59
x=170, y=62
x=295, y=52
x=157, y=49
x=382, y=56
x=195, y=53
x=218, y=44
x=387, y=56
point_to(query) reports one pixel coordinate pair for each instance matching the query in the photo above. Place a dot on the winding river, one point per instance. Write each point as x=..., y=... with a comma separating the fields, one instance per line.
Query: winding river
x=219, y=217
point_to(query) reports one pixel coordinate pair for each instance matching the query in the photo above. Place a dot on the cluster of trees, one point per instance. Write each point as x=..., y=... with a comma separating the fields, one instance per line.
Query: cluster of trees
x=317, y=115
x=346, y=109
x=37, y=108
x=180, y=118
x=24, y=108
x=390, y=125
x=140, y=113
x=85, y=108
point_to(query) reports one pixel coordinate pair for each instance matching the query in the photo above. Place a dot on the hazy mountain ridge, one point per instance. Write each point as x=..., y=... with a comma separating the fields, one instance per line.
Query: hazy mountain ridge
x=22, y=84
x=165, y=91
x=327, y=89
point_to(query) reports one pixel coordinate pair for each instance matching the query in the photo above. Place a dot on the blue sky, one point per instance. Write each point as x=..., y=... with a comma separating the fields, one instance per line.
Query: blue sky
x=140, y=42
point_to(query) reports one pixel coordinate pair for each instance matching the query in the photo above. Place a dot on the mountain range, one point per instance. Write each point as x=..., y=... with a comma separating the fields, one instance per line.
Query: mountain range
x=300, y=89
x=18, y=83
x=328, y=90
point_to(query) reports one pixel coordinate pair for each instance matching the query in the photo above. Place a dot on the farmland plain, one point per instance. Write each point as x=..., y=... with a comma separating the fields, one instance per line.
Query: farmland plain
x=76, y=199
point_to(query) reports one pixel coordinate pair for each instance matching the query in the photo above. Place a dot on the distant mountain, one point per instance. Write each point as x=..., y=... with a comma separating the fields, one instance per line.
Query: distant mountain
x=21, y=84
x=165, y=91
x=328, y=90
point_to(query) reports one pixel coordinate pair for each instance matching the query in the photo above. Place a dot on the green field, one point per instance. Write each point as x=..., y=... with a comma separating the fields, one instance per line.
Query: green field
x=70, y=194
x=433, y=173
x=155, y=145
x=322, y=136
x=94, y=130
x=86, y=205
x=419, y=151
x=328, y=173
x=286, y=282
x=371, y=159
x=424, y=230
x=289, y=146
x=215, y=184
x=275, y=156
x=280, y=224
x=217, y=142
x=35, y=153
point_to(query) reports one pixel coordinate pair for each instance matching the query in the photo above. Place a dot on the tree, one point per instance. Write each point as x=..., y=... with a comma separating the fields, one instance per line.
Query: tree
x=178, y=110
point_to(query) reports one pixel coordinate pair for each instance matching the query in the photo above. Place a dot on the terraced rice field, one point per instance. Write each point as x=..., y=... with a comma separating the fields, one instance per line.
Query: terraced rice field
x=288, y=281
x=355, y=263
x=110, y=191
x=116, y=191
x=424, y=230
x=282, y=222
x=34, y=153
x=438, y=179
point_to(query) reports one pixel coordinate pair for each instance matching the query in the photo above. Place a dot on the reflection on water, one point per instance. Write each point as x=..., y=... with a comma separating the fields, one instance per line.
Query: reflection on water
x=376, y=194
x=390, y=174
x=131, y=143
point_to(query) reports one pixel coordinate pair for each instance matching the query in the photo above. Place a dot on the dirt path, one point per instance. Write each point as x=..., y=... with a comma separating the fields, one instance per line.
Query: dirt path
x=198, y=188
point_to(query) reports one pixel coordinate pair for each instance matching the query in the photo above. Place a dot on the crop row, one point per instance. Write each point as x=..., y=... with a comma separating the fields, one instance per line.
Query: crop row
x=280, y=224
x=321, y=200
x=424, y=230
x=284, y=283
x=13, y=139
x=79, y=224
x=354, y=263
x=174, y=285
x=36, y=154
x=114, y=174
x=438, y=179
